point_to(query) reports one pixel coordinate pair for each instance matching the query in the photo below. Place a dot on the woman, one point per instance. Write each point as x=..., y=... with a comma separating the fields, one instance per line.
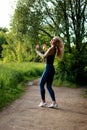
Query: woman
x=48, y=74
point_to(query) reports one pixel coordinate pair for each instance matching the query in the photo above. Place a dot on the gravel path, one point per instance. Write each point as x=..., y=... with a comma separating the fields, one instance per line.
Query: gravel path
x=24, y=113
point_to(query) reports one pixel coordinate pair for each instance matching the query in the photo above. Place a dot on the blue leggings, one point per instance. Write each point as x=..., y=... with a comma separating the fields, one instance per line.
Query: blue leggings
x=47, y=78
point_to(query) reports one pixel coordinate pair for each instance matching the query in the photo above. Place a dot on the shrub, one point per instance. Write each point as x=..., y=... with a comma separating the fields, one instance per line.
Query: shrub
x=12, y=79
x=73, y=68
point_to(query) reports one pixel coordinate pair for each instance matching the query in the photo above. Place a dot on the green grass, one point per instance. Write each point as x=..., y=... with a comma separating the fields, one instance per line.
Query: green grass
x=85, y=95
x=64, y=83
x=12, y=79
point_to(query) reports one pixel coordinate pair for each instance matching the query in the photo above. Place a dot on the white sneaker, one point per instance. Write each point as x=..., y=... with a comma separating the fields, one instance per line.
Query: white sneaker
x=53, y=105
x=42, y=104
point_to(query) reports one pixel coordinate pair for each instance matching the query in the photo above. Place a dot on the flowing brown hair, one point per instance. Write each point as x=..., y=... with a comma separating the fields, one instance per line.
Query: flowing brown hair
x=59, y=47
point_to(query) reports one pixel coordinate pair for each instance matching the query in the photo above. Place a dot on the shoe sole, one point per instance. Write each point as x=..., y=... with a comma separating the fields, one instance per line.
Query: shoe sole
x=43, y=105
x=52, y=106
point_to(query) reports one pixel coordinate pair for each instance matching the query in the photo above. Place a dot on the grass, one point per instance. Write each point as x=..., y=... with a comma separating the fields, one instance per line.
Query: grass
x=85, y=93
x=64, y=83
x=12, y=79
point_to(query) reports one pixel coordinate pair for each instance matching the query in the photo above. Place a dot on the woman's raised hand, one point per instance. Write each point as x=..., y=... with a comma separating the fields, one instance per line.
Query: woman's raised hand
x=37, y=47
x=44, y=47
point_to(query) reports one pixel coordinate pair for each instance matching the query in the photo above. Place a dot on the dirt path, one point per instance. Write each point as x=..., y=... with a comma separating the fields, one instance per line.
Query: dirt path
x=24, y=113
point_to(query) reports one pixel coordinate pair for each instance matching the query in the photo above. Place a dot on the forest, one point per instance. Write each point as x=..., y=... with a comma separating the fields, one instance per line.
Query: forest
x=37, y=21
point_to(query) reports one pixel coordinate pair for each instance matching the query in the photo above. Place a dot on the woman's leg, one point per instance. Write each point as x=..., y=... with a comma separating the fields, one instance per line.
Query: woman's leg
x=42, y=83
x=51, y=92
x=49, y=87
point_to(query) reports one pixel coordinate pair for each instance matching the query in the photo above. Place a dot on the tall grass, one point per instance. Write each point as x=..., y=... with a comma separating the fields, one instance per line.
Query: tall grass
x=12, y=78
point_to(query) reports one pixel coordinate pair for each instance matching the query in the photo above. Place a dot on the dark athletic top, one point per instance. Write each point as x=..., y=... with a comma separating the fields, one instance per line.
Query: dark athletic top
x=50, y=59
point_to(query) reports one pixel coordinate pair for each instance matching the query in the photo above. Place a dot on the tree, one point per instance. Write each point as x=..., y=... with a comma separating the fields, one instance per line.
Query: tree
x=40, y=20
x=78, y=16
x=3, y=39
x=66, y=18
x=3, y=29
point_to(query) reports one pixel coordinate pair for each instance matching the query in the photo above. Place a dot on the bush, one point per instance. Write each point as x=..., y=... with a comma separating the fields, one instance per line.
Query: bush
x=12, y=78
x=73, y=68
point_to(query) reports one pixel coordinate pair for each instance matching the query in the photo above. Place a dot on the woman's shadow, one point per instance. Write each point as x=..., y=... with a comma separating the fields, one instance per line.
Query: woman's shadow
x=70, y=111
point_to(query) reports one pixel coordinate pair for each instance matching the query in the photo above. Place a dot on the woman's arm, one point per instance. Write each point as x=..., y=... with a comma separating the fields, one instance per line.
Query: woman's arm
x=39, y=53
x=50, y=51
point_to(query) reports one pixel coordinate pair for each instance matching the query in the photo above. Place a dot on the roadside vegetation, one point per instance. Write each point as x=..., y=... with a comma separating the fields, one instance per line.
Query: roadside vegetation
x=34, y=23
x=13, y=77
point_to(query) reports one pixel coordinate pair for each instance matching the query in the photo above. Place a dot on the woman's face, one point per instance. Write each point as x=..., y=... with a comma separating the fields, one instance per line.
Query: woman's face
x=53, y=41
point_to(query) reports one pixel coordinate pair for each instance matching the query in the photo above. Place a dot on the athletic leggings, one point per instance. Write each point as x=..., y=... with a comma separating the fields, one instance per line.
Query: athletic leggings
x=47, y=78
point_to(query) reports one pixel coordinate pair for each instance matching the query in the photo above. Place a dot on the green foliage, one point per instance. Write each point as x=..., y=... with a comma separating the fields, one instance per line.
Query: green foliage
x=64, y=83
x=73, y=68
x=41, y=20
x=3, y=29
x=37, y=21
x=2, y=40
x=17, y=52
x=26, y=21
x=48, y=18
x=85, y=94
x=12, y=79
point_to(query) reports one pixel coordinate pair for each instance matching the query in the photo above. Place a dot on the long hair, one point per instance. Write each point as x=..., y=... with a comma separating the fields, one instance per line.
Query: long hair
x=59, y=47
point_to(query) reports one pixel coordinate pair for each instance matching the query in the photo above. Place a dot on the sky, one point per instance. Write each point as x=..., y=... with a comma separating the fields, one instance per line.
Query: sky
x=7, y=8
